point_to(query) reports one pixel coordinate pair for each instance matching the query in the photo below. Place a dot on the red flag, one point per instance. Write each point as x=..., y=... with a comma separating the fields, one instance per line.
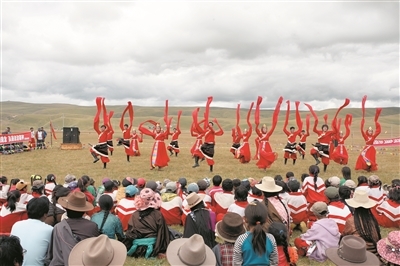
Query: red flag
x=52, y=131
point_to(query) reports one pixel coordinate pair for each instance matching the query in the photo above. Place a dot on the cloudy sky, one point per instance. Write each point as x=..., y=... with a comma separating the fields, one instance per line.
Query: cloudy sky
x=146, y=52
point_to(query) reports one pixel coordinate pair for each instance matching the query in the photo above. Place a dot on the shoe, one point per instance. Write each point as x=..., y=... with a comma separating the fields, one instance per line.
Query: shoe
x=303, y=227
x=195, y=165
x=96, y=160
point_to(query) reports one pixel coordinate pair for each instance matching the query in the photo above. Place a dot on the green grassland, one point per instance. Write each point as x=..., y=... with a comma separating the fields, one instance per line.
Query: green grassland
x=21, y=116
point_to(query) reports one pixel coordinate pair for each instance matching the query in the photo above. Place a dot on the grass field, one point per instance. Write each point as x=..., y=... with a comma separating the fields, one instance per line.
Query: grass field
x=79, y=162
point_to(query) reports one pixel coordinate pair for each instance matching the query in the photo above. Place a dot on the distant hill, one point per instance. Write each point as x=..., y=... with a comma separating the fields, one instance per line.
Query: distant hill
x=21, y=116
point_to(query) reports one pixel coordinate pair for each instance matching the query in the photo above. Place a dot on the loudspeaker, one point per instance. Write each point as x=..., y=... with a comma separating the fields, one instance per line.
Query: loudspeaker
x=71, y=135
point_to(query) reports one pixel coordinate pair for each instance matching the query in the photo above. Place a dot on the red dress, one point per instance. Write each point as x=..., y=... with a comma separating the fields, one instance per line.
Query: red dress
x=135, y=144
x=339, y=154
x=159, y=157
x=265, y=154
x=324, y=138
x=126, y=134
x=195, y=150
x=367, y=159
x=243, y=152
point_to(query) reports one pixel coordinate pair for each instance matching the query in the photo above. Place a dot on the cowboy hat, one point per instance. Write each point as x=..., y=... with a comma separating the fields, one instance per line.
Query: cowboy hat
x=98, y=251
x=389, y=248
x=190, y=251
x=352, y=251
x=268, y=185
x=361, y=199
x=75, y=201
x=230, y=227
x=193, y=199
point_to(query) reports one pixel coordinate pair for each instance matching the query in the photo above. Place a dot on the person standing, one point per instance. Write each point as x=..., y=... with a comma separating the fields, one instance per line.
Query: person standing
x=339, y=154
x=265, y=154
x=195, y=150
x=173, y=145
x=32, y=141
x=101, y=148
x=40, y=139
x=136, y=138
x=243, y=152
x=303, y=138
x=126, y=132
x=367, y=159
x=290, y=148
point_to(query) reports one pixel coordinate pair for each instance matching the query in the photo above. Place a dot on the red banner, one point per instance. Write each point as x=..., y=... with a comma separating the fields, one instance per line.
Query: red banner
x=13, y=138
x=387, y=142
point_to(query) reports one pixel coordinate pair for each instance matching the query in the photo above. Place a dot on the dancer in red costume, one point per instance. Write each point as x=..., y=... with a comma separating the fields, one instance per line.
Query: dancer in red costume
x=265, y=154
x=126, y=131
x=290, y=148
x=367, y=159
x=173, y=145
x=195, y=150
x=257, y=144
x=159, y=157
x=323, y=147
x=136, y=138
x=110, y=134
x=101, y=148
x=301, y=147
x=339, y=154
x=235, y=141
x=207, y=149
x=243, y=152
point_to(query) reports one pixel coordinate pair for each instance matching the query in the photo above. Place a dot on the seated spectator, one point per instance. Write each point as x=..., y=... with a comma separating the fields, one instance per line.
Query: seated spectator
x=240, y=203
x=68, y=179
x=100, y=189
x=375, y=189
x=278, y=178
x=389, y=249
x=38, y=189
x=22, y=187
x=34, y=234
x=338, y=211
x=202, y=184
x=287, y=255
x=148, y=234
x=152, y=185
x=297, y=205
x=284, y=192
x=346, y=193
x=68, y=232
x=351, y=184
x=4, y=188
x=190, y=251
x=255, y=194
x=171, y=206
x=92, y=189
x=13, y=184
x=236, y=183
x=367, y=226
x=108, y=223
x=141, y=183
x=222, y=200
x=256, y=246
x=36, y=177
x=11, y=251
x=352, y=251
x=11, y=212
x=50, y=184
x=56, y=210
x=346, y=173
x=98, y=251
x=83, y=183
x=193, y=188
x=109, y=188
x=323, y=234
x=227, y=230
x=126, y=206
x=333, y=181
x=388, y=212
x=289, y=176
x=181, y=188
x=362, y=184
x=216, y=180
x=199, y=221
x=277, y=209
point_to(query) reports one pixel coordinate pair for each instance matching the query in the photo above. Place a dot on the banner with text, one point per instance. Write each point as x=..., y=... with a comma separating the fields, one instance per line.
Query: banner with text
x=13, y=138
x=387, y=142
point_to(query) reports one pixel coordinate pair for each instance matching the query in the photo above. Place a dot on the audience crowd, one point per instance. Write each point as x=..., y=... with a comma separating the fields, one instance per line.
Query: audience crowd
x=225, y=221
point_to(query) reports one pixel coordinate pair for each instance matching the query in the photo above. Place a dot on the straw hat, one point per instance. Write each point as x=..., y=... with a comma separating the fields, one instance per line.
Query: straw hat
x=352, y=251
x=230, y=227
x=268, y=185
x=193, y=199
x=389, y=248
x=190, y=251
x=75, y=201
x=361, y=199
x=98, y=251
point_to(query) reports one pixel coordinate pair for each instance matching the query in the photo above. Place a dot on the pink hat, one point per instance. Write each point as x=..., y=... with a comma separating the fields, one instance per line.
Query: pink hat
x=147, y=199
x=389, y=248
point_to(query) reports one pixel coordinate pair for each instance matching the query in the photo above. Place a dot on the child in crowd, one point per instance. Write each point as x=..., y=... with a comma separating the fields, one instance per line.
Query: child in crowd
x=362, y=183
x=35, y=177
x=256, y=246
x=222, y=200
x=92, y=189
x=13, y=184
x=323, y=234
x=216, y=180
x=388, y=212
x=287, y=255
x=126, y=206
x=346, y=173
x=56, y=210
x=4, y=188
x=332, y=181
x=297, y=205
x=228, y=230
x=38, y=189
x=50, y=184
x=376, y=192
x=255, y=194
x=346, y=193
x=240, y=203
x=338, y=211
x=68, y=179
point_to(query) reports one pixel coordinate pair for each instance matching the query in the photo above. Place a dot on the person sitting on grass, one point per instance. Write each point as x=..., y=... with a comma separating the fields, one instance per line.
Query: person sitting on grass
x=338, y=211
x=222, y=200
x=126, y=206
x=11, y=251
x=56, y=211
x=240, y=203
x=323, y=234
x=287, y=255
x=388, y=213
x=108, y=223
x=50, y=184
x=297, y=205
x=171, y=206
